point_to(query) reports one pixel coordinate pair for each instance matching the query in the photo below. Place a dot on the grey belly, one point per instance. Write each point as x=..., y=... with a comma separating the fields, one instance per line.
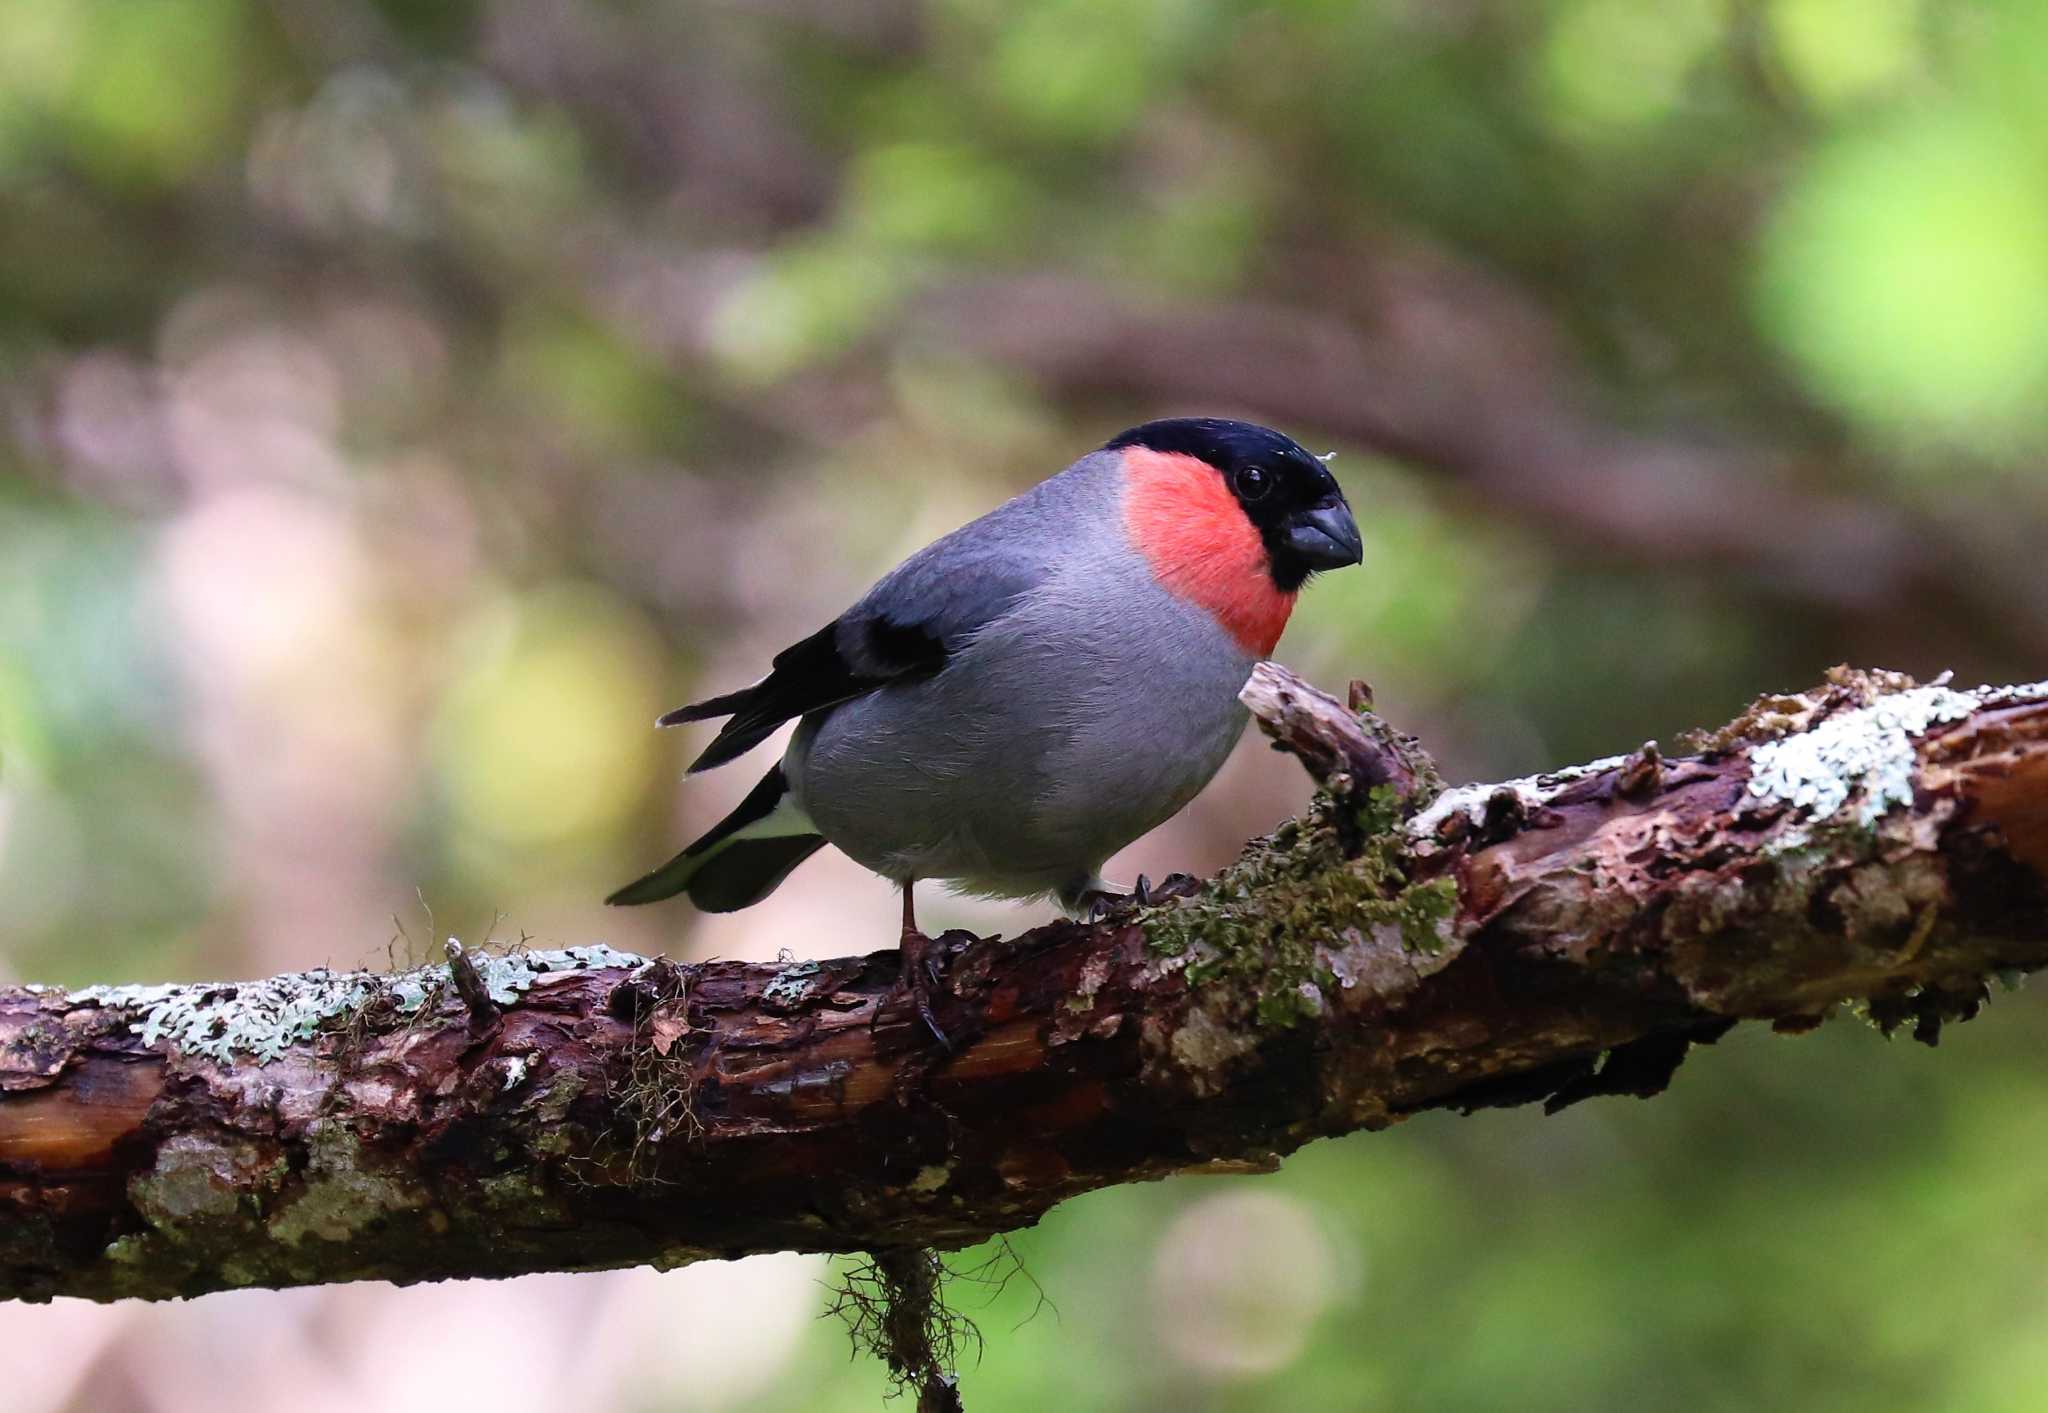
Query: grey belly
x=1018, y=769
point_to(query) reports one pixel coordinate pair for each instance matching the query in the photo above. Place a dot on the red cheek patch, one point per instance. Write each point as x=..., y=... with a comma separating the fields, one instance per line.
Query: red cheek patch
x=1195, y=536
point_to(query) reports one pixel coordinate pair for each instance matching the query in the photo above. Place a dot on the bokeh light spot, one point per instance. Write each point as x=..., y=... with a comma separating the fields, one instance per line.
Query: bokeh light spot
x=1907, y=276
x=797, y=304
x=1837, y=51
x=1611, y=67
x=547, y=735
x=1240, y=1281
x=934, y=194
x=157, y=98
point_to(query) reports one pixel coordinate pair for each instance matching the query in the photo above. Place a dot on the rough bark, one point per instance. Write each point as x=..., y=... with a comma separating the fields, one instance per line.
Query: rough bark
x=1396, y=950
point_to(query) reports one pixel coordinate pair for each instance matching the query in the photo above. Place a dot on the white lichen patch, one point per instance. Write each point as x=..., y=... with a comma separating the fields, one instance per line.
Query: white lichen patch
x=789, y=986
x=1383, y=963
x=261, y=1020
x=1472, y=801
x=2005, y=696
x=1867, y=755
x=515, y=972
x=516, y=1067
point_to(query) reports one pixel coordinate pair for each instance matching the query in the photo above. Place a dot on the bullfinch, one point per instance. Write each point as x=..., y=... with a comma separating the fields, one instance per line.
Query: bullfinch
x=1023, y=697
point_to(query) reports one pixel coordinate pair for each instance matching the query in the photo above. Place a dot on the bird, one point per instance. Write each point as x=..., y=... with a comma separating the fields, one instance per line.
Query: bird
x=1024, y=696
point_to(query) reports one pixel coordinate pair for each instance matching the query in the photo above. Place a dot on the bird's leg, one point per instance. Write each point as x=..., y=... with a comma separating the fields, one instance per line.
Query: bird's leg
x=920, y=968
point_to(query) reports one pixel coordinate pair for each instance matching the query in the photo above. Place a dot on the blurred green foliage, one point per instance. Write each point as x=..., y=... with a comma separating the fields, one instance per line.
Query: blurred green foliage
x=401, y=404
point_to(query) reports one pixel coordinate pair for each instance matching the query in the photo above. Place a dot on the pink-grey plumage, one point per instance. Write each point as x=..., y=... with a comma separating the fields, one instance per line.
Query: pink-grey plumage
x=1023, y=697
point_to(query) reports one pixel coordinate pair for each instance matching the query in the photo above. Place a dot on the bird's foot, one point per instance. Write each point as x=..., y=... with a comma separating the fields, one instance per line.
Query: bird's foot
x=1099, y=903
x=923, y=970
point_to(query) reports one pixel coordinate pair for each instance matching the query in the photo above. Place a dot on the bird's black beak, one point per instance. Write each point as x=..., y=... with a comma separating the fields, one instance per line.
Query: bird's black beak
x=1325, y=537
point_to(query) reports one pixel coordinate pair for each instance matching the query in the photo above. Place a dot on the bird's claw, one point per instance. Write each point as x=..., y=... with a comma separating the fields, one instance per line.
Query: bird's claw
x=924, y=1013
x=1100, y=903
x=923, y=970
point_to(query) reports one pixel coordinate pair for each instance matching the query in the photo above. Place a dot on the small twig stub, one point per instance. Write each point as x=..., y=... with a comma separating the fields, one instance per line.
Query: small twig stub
x=1331, y=739
x=469, y=985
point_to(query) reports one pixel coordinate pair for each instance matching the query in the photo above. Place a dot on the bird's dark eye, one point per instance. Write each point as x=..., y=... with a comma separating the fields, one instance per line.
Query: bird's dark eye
x=1253, y=483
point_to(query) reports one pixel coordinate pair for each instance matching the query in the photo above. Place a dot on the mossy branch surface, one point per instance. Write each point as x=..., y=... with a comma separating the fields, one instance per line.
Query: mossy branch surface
x=1872, y=844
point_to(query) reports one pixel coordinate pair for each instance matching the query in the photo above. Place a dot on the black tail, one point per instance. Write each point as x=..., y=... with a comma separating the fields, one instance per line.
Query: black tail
x=725, y=870
x=709, y=710
x=749, y=725
x=748, y=870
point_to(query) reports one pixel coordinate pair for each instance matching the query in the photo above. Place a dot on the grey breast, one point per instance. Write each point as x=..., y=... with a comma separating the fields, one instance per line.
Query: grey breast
x=1092, y=709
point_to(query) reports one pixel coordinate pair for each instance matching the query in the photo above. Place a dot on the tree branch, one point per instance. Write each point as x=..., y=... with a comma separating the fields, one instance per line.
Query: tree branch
x=1397, y=949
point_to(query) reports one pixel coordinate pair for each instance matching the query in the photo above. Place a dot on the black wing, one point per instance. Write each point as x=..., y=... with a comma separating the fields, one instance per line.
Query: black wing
x=843, y=660
x=903, y=628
